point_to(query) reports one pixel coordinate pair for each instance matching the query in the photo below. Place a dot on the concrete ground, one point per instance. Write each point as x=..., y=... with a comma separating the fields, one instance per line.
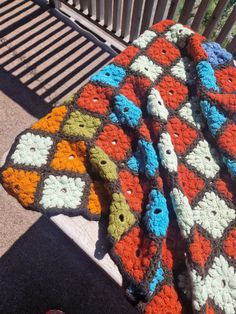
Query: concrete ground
x=42, y=61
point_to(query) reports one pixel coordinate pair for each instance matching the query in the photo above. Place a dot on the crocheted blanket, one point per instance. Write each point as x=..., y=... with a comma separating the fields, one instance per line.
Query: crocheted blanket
x=150, y=143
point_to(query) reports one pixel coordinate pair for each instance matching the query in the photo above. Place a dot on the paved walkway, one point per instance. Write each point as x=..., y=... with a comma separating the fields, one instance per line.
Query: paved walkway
x=43, y=61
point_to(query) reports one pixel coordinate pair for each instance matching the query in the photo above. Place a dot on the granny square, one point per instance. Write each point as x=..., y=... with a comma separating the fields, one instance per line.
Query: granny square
x=146, y=67
x=32, y=150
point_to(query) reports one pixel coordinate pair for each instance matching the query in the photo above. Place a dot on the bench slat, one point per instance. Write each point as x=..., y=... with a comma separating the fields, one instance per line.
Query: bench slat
x=108, y=12
x=200, y=14
x=227, y=26
x=83, y=5
x=232, y=45
x=92, y=8
x=216, y=15
x=126, y=19
x=117, y=15
x=162, y=10
x=136, y=19
x=100, y=11
x=186, y=11
x=173, y=9
x=148, y=13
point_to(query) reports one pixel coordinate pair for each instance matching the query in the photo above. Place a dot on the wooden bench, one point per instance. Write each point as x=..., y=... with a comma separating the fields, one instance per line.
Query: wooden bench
x=117, y=25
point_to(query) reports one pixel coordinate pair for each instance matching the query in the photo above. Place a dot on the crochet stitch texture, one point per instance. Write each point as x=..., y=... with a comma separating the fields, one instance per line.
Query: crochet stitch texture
x=150, y=142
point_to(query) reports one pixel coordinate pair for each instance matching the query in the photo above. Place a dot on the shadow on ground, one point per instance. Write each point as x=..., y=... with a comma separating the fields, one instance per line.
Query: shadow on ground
x=45, y=55
x=20, y=94
x=44, y=269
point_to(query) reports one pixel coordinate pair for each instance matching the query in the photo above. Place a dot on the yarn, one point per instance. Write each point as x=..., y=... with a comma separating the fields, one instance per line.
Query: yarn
x=156, y=217
x=32, y=150
x=111, y=75
x=216, y=54
x=114, y=142
x=206, y=75
x=132, y=190
x=70, y=156
x=146, y=67
x=226, y=78
x=213, y=214
x=61, y=191
x=158, y=277
x=51, y=122
x=22, y=184
x=95, y=98
x=172, y=92
x=126, y=111
x=81, y=124
x=156, y=106
x=166, y=301
x=120, y=218
x=135, y=88
x=144, y=39
x=97, y=202
x=200, y=249
x=148, y=142
x=162, y=52
x=134, y=254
